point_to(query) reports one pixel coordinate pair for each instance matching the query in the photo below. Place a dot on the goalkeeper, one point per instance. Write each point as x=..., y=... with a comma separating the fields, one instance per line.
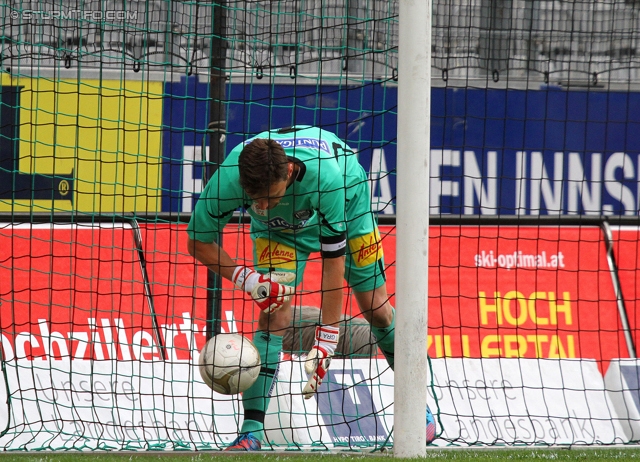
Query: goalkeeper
x=305, y=192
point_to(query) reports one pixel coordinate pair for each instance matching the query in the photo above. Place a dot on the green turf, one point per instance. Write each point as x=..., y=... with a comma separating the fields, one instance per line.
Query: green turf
x=476, y=455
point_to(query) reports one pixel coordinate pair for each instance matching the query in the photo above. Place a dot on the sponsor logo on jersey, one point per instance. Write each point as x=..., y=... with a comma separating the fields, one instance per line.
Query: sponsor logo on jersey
x=303, y=214
x=279, y=222
x=366, y=249
x=275, y=254
x=302, y=143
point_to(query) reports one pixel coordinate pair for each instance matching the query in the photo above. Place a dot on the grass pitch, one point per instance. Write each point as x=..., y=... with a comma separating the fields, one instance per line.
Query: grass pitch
x=476, y=455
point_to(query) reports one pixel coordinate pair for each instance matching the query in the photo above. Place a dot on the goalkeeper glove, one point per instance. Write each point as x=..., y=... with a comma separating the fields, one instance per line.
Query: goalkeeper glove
x=319, y=358
x=267, y=290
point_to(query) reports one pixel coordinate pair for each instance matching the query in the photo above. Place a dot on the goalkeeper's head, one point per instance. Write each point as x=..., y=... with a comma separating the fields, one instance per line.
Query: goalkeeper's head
x=265, y=171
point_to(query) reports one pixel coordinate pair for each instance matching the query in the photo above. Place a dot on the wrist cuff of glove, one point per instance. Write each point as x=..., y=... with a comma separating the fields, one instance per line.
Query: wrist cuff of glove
x=327, y=338
x=240, y=275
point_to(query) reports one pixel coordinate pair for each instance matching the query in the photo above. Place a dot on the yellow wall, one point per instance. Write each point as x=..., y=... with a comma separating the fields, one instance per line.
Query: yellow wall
x=108, y=133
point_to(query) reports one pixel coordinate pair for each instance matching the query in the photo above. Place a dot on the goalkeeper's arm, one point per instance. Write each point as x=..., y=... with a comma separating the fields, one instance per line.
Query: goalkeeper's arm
x=327, y=334
x=332, y=290
x=213, y=257
x=268, y=291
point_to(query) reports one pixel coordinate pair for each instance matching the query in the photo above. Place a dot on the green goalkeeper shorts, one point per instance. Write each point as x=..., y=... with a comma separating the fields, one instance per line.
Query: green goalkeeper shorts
x=364, y=265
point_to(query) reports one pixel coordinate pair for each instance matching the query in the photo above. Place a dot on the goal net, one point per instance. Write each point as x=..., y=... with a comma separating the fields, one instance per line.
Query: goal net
x=113, y=116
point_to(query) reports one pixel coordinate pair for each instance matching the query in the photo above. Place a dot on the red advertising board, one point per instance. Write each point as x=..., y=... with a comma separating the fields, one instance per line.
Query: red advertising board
x=73, y=290
x=626, y=250
x=508, y=292
x=522, y=292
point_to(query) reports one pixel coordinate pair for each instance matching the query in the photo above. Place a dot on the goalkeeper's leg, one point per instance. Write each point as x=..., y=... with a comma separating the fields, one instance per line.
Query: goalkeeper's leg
x=364, y=271
x=375, y=307
x=268, y=338
x=255, y=400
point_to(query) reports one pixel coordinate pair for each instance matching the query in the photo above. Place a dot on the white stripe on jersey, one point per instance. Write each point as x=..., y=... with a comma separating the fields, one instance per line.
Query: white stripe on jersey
x=334, y=247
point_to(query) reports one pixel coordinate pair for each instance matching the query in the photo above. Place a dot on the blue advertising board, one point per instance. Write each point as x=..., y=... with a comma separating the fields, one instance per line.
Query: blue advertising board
x=543, y=152
x=348, y=409
x=185, y=116
x=493, y=151
x=364, y=116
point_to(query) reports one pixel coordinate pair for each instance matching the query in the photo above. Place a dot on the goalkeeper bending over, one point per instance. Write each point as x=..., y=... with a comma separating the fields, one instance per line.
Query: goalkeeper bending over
x=305, y=192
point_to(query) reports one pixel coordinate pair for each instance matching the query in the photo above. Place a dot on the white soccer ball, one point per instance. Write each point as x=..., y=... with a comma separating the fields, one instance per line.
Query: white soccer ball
x=229, y=363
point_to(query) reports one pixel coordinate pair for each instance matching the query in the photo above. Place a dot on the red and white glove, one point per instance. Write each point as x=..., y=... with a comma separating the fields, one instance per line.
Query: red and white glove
x=319, y=358
x=267, y=290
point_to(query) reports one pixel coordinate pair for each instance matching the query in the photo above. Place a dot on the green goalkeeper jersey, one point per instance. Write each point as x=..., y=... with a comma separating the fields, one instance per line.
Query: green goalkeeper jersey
x=328, y=178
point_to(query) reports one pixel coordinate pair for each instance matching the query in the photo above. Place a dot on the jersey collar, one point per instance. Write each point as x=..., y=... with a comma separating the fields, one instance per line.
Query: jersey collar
x=302, y=168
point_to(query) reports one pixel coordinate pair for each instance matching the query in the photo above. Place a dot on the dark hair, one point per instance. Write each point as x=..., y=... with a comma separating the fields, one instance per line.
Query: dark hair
x=262, y=163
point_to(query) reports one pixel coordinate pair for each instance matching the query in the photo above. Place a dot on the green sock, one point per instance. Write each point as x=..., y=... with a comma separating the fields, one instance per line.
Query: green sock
x=385, y=337
x=255, y=399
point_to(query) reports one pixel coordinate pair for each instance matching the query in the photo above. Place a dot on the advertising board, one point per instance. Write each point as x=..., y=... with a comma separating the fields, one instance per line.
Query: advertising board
x=523, y=325
x=131, y=145
x=523, y=292
x=88, y=145
x=505, y=292
x=626, y=252
x=492, y=151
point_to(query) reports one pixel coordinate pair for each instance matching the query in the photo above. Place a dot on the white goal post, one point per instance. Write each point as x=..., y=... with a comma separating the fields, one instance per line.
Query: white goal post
x=412, y=222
